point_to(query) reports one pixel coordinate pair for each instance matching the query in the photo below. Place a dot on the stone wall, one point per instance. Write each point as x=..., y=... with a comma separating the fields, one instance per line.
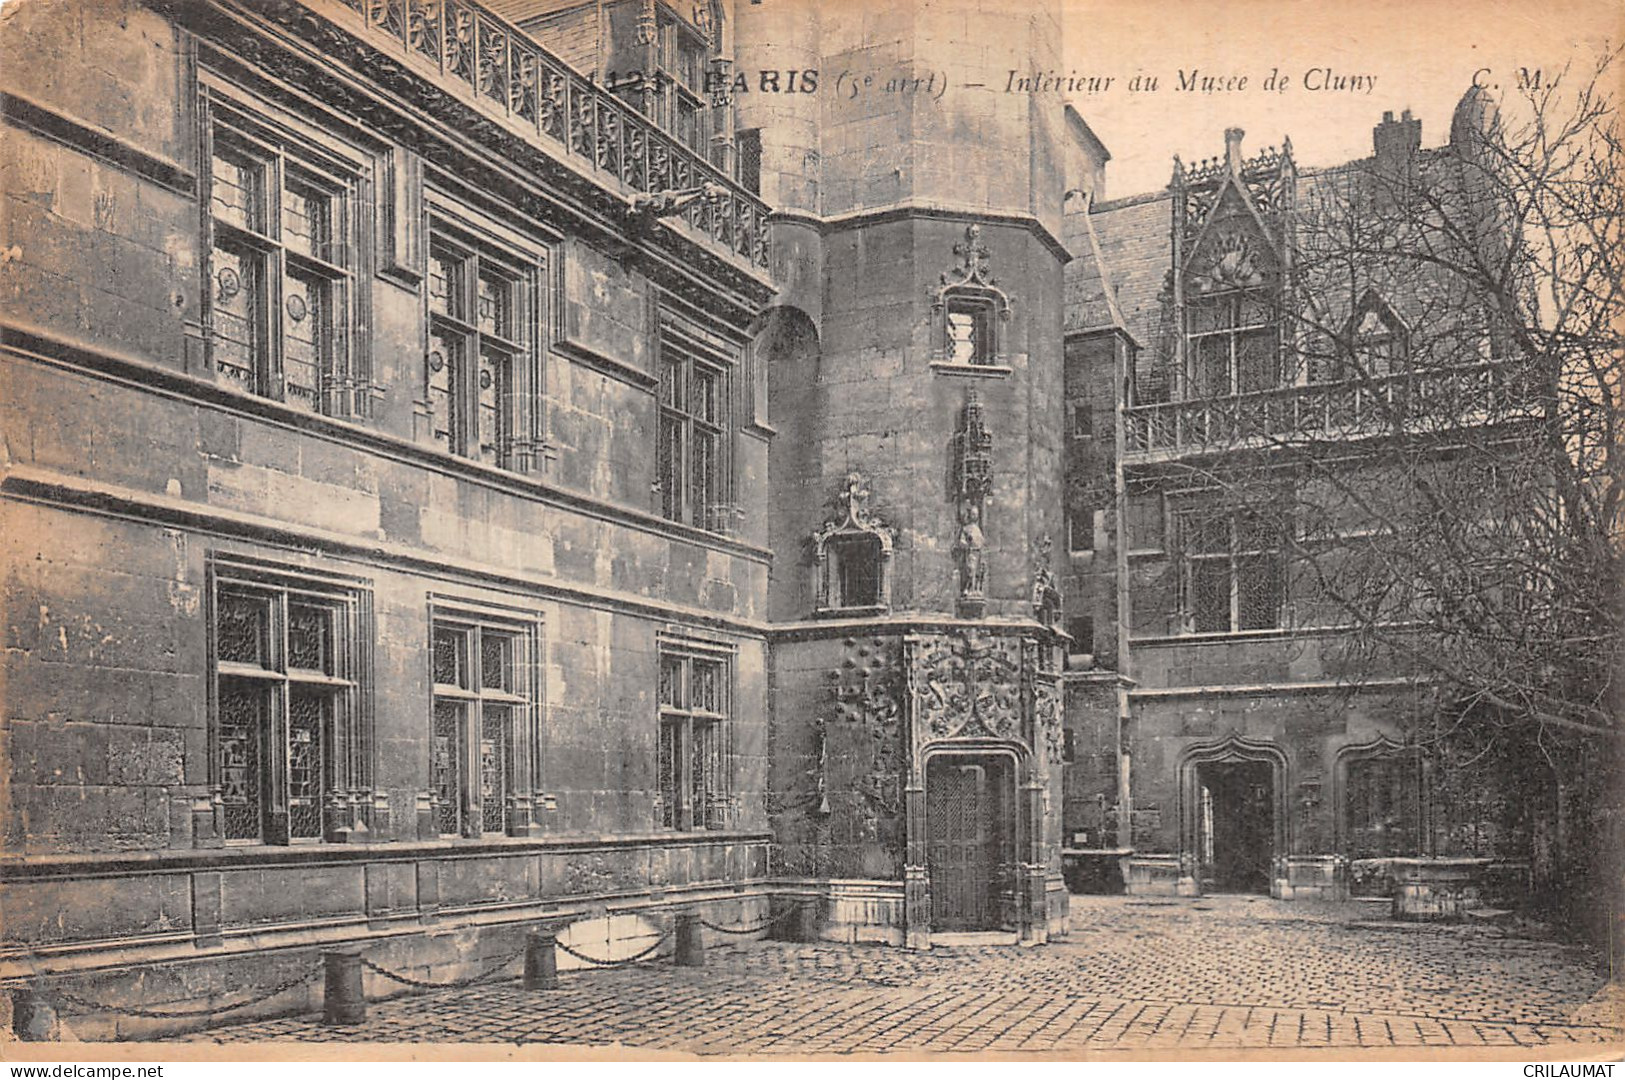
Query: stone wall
x=128, y=470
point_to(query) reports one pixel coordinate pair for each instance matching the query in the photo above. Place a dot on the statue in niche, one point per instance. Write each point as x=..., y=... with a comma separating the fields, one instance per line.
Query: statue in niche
x=971, y=547
x=1046, y=594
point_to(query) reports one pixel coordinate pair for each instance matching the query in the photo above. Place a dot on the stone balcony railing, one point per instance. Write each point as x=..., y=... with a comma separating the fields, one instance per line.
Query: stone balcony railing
x=495, y=64
x=1431, y=399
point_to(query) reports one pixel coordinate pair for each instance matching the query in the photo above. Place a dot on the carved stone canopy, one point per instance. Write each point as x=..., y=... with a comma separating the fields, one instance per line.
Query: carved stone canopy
x=973, y=455
x=971, y=276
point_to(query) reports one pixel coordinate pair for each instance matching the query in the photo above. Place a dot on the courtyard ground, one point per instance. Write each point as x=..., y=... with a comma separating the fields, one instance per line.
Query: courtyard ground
x=1216, y=974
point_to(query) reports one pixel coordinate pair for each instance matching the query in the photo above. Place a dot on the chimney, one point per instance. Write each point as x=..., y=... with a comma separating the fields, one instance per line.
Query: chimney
x=1396, y=141
x=1232, y=148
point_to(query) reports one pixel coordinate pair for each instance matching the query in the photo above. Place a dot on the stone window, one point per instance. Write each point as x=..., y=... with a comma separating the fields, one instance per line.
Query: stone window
x=1382, y=806
x=694, y=758
x=853, y=551
x=281, y=302
x=971, y=324
x=1232, y=571
x=854, y=573
x=287, y=685
x=968, y=311
x=749, y=142
x=1080, y=420
x=1081, y=629
x=482, y=737
x=691, y=454
x=1080, y=529
x=1232, y=344
x=679, y=96
x=480, y=368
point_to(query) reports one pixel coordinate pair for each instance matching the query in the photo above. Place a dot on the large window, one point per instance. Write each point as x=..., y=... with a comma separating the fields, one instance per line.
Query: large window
x=694, y=754
x=1383, y=806
x=479, y=363
x=692, y=452
x=286, y=696
x=482, y=728
x=1233, y=575
x=1232, y=346
x=281, y=293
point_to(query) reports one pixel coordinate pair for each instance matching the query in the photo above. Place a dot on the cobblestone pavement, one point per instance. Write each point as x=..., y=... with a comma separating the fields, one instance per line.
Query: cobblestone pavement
x=1219, y=973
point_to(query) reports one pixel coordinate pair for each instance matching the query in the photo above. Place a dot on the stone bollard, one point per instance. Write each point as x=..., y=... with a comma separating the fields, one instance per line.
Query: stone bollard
x=542, y=960
x=690, y=940
x=33, y=1017
x=343, y=999
x=807, y=919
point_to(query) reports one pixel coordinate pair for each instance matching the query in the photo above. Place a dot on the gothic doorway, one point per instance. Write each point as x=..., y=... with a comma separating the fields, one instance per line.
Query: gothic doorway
x=970, y=849
x=1235, y=817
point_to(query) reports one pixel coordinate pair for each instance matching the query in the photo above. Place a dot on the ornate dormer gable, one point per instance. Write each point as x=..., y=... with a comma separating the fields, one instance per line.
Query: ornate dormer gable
x=1230, y=268
x=1233, y=250
x=853, y=554
x=968, y=308
x=1266, y=184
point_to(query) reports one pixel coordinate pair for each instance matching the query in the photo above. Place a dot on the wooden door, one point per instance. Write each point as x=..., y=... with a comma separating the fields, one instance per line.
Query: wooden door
x=957, y=805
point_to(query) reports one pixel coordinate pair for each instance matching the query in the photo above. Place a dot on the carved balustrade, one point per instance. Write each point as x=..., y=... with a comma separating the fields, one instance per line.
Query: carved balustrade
x=493, y=62
x=1435, y=398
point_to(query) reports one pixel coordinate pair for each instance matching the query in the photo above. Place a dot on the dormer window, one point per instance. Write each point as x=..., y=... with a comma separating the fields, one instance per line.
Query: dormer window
x=1377, y=339
x=1232, y=346
x=853, y=556
x=1229, y=246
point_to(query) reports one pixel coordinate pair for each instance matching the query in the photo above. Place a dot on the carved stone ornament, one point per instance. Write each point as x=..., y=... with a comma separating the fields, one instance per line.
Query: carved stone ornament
x=967, y=685
x=971, y=276
x=648, y=27
x=1047, y=717
x=1232, y=257
x=867, y=692
x=1046, y=596
x=971, y=550
x=973, y=455
x=973, y=480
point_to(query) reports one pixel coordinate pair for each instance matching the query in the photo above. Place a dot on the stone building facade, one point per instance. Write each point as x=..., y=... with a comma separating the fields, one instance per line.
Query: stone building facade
x=914, y=700
x=1224, y=735
x=384, y=484
x=468, y=464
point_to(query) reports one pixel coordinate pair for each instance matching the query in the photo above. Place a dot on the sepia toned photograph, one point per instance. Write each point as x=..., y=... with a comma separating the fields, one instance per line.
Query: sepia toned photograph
x=1053, y=529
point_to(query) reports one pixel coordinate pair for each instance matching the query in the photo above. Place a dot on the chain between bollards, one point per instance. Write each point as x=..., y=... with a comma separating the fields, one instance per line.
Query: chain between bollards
x=344, y=999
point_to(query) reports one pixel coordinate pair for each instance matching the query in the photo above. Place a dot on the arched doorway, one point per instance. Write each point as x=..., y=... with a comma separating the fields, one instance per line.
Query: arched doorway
x=1233, y=820
x=971, y=854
